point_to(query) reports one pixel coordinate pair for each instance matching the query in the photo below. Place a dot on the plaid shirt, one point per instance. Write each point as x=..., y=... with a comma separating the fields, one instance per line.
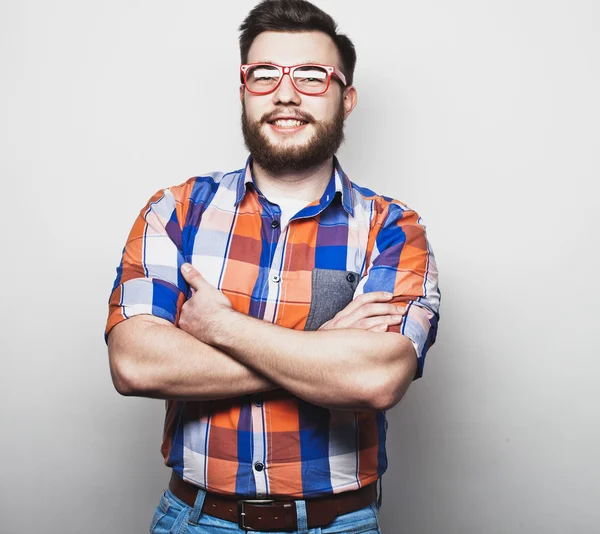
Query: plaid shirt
x=349, y=242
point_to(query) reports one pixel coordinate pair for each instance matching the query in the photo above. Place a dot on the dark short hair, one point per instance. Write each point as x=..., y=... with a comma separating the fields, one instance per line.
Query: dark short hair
x=295, y=16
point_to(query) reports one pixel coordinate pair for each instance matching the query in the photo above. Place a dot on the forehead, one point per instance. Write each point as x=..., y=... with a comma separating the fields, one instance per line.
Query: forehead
x=285, y=48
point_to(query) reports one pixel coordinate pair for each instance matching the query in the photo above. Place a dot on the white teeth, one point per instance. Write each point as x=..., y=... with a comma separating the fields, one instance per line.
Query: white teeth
x=287, y=123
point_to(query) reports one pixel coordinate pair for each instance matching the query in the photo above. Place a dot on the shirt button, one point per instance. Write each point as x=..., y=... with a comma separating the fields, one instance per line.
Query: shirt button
x=350, y=278
x=275, y=224
x=275, y=278
x=259, y=466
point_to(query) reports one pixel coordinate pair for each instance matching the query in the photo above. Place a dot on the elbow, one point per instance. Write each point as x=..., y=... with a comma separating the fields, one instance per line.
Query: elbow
x=383, y=398
x=132, y=373
x=393, y=384
x=394, y=387
x=387, y=388
x=377, y=394
x=124, y=377
x=126, y=372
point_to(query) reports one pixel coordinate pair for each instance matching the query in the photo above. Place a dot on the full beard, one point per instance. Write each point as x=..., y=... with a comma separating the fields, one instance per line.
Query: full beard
x=327, y=138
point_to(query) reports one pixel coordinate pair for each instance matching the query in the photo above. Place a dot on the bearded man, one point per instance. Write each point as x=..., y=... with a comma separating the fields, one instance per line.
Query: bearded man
x=280, y=309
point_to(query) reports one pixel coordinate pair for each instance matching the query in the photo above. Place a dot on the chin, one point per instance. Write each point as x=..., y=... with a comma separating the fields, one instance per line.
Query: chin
x=290, y=140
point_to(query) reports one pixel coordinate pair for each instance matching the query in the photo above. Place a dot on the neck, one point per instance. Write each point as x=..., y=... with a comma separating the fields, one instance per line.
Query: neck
x=308, y=184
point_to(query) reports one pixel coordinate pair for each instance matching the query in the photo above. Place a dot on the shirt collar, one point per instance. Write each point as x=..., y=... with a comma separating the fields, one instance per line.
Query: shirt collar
x=339, y=183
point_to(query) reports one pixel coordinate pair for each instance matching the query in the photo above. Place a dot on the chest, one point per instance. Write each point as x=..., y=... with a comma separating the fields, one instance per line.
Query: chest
x=299, y=275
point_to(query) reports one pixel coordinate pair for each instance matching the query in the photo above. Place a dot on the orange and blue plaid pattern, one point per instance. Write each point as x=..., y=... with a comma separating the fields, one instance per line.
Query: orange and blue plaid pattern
x=275, y=444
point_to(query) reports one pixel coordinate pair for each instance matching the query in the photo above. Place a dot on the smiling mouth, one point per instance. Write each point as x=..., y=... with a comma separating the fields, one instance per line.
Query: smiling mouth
x=287, y=123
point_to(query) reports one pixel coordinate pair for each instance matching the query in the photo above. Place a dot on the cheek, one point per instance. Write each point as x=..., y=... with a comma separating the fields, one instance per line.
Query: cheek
x=323, y=110
x=255, y=109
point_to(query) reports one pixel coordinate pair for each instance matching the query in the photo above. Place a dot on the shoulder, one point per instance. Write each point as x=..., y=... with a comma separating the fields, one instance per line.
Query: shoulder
x=394, y=226
x=383, y=210
x=202, y=188
x=190, y=198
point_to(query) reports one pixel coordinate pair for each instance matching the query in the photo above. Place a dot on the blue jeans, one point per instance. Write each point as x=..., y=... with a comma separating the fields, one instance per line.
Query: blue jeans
x=173, y=516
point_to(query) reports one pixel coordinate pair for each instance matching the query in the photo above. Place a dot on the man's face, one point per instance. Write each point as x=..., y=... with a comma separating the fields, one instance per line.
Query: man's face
x=277, y=142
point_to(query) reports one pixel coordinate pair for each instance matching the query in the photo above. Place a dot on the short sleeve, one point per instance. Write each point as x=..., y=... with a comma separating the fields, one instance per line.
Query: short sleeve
x=148, y=278
x=402, y=263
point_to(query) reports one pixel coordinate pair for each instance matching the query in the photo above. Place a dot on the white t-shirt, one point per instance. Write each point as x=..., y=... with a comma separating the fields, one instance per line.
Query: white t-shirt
x=289, y=207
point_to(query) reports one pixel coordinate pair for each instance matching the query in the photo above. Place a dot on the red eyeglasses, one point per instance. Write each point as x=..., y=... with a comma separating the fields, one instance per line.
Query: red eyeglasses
x=308, y=79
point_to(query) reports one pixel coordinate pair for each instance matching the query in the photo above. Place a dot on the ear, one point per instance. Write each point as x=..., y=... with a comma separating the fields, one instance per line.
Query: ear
x=350, y=100
x=242, y=92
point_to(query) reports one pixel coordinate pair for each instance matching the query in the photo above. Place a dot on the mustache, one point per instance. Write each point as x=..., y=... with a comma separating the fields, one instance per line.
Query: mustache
x=291, y=113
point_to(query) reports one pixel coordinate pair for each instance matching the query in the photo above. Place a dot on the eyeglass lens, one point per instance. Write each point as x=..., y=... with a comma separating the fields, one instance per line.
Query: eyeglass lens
x=307, y=78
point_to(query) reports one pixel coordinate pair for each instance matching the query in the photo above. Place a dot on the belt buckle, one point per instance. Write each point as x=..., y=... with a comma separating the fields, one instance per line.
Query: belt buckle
x=242, y=510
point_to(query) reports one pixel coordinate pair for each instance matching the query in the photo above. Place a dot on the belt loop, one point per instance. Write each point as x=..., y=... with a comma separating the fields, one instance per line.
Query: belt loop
x=380, y=496
x=197, y=510
x=301, y=517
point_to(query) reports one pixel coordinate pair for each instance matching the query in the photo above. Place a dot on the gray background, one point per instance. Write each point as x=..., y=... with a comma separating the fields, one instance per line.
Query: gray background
x=482, y=116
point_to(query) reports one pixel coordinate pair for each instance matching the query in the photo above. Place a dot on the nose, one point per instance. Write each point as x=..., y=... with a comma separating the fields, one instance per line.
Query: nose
x=286, y=92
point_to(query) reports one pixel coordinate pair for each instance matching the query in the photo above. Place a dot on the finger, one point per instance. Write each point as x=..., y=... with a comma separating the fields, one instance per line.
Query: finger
x=367, y=324
x=374, y=310
x=192, y=275
x=379, y=328
x=377, y=311
x=366, y=298
x=382, y=314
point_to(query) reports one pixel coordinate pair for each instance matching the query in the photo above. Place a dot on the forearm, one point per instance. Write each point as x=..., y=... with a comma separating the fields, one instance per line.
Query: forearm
x=339, y=369
x=151, y=358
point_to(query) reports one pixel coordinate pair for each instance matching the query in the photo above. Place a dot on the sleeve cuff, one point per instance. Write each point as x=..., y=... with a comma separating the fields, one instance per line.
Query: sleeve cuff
x=144, y=296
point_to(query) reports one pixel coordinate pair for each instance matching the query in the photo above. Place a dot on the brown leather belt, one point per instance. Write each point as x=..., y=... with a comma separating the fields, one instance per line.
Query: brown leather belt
x=273, y=515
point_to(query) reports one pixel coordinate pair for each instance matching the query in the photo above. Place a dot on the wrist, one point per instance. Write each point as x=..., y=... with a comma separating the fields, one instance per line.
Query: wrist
x=222, y=327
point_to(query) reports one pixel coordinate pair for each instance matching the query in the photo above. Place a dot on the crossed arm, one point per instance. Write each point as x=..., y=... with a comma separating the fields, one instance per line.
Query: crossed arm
x=350, y=363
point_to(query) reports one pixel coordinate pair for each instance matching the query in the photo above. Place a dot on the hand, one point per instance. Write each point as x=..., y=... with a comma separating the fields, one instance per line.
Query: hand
x=202, y=315
x=369, y=311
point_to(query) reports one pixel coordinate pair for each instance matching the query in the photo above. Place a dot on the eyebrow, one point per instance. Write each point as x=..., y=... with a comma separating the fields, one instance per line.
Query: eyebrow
x=301, y=63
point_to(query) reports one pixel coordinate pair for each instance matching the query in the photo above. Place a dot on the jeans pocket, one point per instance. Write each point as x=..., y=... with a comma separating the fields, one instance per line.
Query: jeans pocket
x=363, y=521
x=158, y=515
x=160, y=512
x=170, y=516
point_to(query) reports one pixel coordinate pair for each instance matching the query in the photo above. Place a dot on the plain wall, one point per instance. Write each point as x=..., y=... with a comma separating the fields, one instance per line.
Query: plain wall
x=482, y=116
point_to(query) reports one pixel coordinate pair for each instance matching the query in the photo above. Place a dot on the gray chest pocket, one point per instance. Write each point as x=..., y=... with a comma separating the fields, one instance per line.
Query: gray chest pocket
x=332, y=291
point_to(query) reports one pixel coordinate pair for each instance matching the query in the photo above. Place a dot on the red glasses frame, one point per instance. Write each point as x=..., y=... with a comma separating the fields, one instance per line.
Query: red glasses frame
x=331, y=70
